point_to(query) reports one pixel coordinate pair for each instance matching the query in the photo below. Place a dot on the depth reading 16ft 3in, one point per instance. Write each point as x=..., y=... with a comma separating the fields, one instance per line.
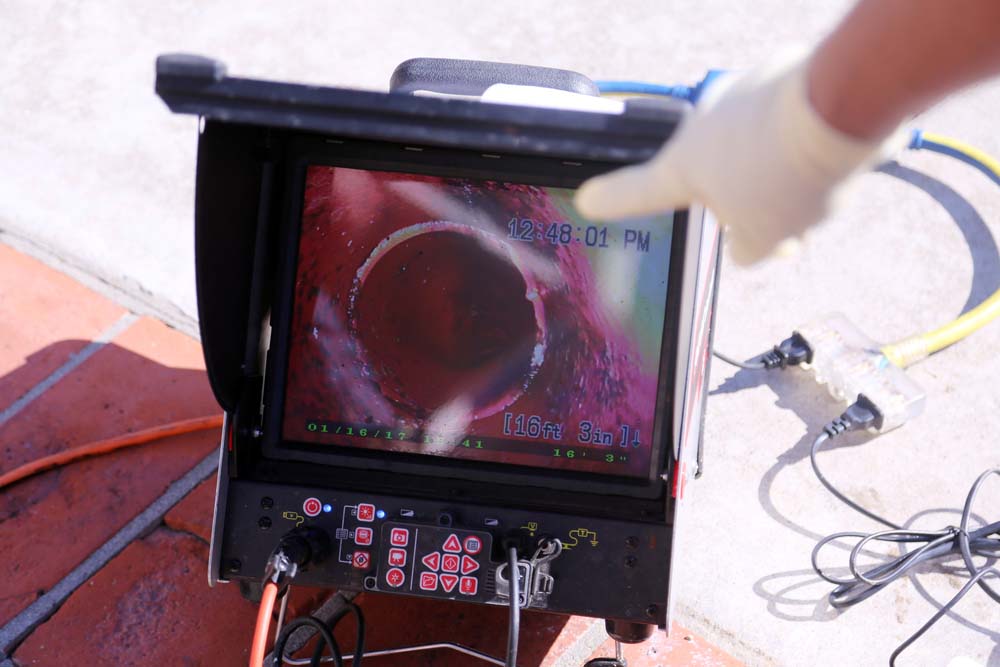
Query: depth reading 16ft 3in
x=563, y=233
x=533, y=426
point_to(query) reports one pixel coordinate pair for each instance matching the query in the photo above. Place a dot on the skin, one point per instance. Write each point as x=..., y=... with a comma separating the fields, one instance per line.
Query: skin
x=890, y=59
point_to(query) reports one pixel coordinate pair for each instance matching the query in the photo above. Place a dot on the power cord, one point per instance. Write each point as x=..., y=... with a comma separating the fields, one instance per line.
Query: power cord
x=749, y=364
x=862, y=414
x=514, y=622
x=326, y=637
x=938, y=544
x=792, y=351
x=109, y=445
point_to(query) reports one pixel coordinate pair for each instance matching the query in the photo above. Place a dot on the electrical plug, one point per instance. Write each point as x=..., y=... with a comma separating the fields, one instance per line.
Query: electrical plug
x=851, y=364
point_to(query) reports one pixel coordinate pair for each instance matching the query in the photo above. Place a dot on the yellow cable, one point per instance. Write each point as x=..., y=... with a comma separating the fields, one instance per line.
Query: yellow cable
x=991, y=162
x=910, y=350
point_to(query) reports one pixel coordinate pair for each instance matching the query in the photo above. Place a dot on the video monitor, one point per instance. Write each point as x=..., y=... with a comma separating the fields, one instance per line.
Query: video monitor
x=474, y=319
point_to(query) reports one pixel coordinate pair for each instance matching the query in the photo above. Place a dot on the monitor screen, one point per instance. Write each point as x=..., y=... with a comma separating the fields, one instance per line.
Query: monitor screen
x=474, y=319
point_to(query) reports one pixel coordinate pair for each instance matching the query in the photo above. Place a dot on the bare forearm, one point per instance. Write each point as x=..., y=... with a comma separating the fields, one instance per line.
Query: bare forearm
x=890, y=59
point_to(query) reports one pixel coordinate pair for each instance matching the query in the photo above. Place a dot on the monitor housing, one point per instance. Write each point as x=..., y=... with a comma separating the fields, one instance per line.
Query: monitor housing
x=393, y=518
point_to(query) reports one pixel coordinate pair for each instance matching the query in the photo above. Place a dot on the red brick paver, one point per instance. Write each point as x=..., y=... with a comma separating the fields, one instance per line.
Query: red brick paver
x=145, y=377
x=194, y=513
x=45, y=318
x=151, y=604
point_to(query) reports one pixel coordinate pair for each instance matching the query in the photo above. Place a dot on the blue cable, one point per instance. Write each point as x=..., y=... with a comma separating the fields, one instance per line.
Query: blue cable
x=693, y=93
x=641, y=88
x=918, y=142
x=681, y=92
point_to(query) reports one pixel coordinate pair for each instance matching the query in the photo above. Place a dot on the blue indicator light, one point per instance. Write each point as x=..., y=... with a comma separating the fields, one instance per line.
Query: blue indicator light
x=328, y=508
x=380, y=514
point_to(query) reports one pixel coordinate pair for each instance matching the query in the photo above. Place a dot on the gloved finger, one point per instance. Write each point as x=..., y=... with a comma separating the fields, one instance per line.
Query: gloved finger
x=745, y=247
x=638, y=190
x=790, y=247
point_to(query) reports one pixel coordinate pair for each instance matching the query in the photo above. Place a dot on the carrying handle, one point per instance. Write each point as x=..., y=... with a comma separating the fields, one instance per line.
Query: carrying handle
x=473, y=77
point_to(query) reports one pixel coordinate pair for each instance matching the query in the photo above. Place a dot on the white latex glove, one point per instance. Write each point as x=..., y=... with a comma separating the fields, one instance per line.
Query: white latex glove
x=755, y=152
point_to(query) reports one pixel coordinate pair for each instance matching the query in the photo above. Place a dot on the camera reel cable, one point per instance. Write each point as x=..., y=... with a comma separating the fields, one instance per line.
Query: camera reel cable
x=514, y=616
x=108, y=445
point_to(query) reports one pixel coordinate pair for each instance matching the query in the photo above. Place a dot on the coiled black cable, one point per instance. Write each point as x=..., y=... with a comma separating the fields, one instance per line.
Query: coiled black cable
x=862, y=584
x=326, y=637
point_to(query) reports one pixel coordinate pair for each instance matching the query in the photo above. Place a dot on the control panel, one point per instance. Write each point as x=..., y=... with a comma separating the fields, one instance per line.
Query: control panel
x=434, y=561
x=389, y=544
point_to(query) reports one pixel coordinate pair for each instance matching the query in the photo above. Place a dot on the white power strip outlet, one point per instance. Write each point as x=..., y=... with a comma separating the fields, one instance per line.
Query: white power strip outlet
x=850, y=363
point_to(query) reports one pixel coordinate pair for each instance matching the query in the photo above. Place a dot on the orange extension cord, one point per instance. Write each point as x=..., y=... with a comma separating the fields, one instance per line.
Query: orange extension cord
x=259, y=647
x=109, y=445
x=270, y=594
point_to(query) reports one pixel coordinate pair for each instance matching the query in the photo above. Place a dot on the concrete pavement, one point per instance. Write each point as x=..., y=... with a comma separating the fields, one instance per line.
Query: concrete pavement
x=97, y=177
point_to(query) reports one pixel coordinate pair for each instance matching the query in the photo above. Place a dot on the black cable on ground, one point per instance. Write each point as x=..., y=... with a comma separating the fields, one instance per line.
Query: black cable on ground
x=862, y=414
x=514, y=624
x=945, y=543
x=325, y=636
x=792, y=351
x=359, y=642
x=750, y=365
x=976, y=579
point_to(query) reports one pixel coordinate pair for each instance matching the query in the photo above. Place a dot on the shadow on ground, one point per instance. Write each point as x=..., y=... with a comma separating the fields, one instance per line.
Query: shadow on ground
x=151, y=603
x=800, y=595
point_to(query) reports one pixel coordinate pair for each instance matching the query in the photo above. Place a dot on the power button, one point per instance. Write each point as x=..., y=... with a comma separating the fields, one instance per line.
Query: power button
x=312, y=507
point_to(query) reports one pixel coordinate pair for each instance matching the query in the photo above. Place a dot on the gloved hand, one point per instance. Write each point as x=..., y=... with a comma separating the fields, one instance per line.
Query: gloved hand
x=753, y=151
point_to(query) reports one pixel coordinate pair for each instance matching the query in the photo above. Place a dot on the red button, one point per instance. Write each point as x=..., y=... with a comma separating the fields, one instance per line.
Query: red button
x=469, y=586
x=366, y=512
x=428, y=581
x=432, y=561
x=312, y=506
x=363, y=536
x=362, y=559
x=452, y=544
x=399, y=537
x=473, y=545
x=395, y=577
x=469, y=565
x=448, y=582
x=397, y=557
x=450, y=563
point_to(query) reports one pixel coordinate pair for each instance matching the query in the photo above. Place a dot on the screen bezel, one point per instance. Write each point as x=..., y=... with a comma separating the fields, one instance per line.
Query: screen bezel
x=547, y=172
